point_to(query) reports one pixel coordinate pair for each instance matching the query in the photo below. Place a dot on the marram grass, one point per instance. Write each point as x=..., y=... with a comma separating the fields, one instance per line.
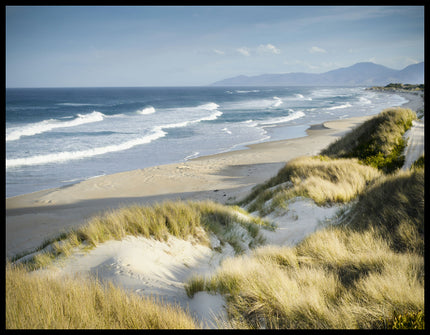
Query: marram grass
x=40, y=302
x=366, y=272
x=334, y=279
x=324, y=180
x=377, y=142
x=185, y=220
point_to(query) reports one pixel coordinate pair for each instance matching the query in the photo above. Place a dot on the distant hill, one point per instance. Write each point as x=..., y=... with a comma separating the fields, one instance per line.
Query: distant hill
x=366, y=73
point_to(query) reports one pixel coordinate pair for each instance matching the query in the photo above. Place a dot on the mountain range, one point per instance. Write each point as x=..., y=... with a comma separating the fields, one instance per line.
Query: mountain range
x=365, y=73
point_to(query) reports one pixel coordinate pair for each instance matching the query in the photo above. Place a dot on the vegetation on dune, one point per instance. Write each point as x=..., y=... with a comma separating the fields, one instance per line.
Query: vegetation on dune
x=419, y=163
x=377, y=142
x=394, y=208
x=366, y=272
x=159, y=221
x=326, y=181
x=36, y=302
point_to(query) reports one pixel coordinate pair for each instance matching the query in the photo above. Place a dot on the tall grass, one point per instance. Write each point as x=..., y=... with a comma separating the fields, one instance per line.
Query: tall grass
x=361, y=274
x=290, y=288
x=36, y=302
x=393, y=207
x=377, y=142
x=326, y=181
x=181, y=219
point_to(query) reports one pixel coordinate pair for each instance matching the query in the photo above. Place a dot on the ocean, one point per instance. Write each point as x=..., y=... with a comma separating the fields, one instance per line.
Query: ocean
x=60, y=136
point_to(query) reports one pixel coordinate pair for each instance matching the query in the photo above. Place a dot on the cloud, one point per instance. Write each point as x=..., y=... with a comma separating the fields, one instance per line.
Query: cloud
x=219, y=52
x=269, y=48
x=316, y=49
x=243, y=51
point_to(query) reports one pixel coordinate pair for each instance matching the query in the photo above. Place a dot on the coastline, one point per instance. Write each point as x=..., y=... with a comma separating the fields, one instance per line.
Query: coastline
x=223, y=177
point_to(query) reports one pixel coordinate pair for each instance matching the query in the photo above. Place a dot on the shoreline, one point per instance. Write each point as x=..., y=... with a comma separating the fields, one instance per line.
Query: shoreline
x=223, y=177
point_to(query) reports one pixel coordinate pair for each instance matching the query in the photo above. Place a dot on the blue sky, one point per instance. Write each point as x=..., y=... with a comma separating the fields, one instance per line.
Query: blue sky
x=196, y=45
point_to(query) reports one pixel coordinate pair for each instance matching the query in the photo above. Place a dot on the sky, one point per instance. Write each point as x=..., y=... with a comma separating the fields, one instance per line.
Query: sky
x=125, y=46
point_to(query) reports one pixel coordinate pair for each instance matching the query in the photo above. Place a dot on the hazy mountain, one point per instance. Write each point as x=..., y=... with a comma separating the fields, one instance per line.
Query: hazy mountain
x=366, y=73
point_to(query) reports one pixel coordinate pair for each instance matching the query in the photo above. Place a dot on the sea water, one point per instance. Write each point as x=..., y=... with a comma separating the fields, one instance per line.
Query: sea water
x=59, y=136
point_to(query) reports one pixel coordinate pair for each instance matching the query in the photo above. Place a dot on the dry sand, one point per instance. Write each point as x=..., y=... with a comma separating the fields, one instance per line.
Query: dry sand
x=151, y=267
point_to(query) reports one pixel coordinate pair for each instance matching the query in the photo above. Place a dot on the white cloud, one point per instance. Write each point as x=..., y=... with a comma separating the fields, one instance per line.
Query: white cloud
x=243, y=51
x=317, y=49
x=219, y=52
x=269, y=48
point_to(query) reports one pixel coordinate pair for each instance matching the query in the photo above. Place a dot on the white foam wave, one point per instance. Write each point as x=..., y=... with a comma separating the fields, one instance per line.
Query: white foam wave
x=193, y=155
x=73, y=155
x=340, y=106
x=209, y=106
x=250, y=123
x=365, y=101
x=211, y=117
x=156, y=133
x=75, y=104
x=250, y=91
x=284, y=119
x=16, y=133
x=278, y=102
x=226, y=130
x=146, y=110
x=300, y=96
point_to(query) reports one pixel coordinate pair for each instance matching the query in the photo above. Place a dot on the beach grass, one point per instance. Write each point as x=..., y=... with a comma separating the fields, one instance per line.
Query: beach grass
x=325, y=180
x=394, y=208
x=195, y=220
x=40, y=302
x=377, y=142
x=364, y=272
x=419, y=163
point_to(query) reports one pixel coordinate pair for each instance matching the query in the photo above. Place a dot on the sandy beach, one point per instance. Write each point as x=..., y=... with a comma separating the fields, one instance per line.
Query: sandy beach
x=225, y=177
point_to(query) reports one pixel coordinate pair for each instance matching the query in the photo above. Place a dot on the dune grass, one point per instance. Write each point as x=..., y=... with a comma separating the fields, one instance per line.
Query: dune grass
x=289, y=288
x=365, y=272
x=171, y=218
x=377, y=142
x=419, y=163
x=325, y=180
x=36, y=302
x=394, y=208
